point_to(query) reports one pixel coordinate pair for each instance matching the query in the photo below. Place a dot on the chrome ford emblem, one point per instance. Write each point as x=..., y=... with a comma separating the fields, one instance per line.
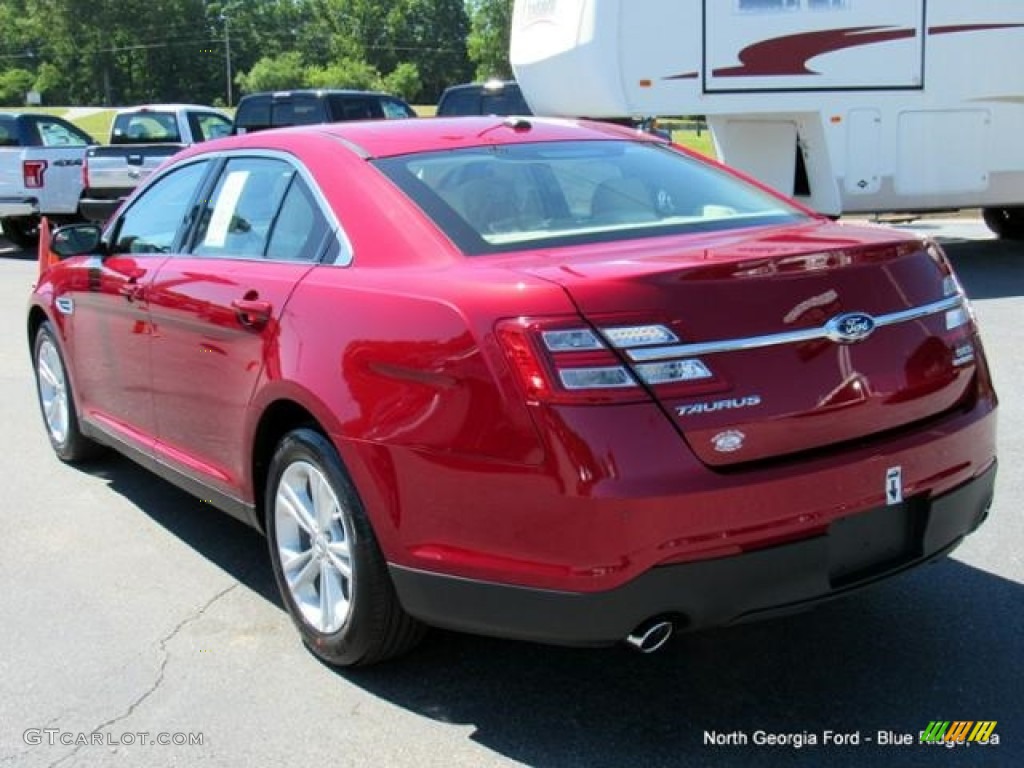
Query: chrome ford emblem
x=729, y=441
x=850, y=328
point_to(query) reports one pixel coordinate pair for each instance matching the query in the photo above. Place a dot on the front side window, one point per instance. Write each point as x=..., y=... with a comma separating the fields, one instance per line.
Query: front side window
x=208, y=125
x=510, y=197
x=156, y=219
x=396, y=110
x=253, y=114
x=465, y=101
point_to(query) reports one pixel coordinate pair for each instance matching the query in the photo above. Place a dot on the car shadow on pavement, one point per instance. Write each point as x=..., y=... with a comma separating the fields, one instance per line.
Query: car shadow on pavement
x=988, y=269
x=9, y=251
x=889, y=659
x=234, y=547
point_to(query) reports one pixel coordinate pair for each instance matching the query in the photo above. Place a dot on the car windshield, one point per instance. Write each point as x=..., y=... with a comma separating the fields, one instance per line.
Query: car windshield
x=509, y=197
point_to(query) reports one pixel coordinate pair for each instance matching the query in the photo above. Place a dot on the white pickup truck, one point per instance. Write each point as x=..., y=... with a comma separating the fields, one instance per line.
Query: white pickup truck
x=40, y=172
x=141, y=138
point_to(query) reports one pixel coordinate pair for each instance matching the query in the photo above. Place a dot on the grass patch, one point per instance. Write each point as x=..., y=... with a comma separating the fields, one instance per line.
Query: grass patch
x=96, y=124
x=699, y=142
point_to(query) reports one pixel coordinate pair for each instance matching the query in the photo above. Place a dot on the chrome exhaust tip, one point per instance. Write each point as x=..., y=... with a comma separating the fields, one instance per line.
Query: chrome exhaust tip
x=650, y=636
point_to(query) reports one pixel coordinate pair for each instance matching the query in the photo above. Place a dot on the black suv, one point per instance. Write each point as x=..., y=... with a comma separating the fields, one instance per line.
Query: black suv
x=259, y=111
x=495, y=97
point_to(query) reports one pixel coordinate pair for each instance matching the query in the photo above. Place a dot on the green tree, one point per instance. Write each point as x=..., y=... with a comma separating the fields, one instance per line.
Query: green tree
x=275, y=73
x=428, y=33
x=404, y=81
x=14, y=84
x=432, y=34
x=347, y=73
x=488, y=41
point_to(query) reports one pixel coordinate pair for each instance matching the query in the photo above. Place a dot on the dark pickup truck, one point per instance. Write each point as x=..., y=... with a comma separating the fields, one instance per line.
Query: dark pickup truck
x=259, y=111
x=141, y=138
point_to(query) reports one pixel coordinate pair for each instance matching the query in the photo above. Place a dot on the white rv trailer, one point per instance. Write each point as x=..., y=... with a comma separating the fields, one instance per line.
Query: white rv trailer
x=849, y=105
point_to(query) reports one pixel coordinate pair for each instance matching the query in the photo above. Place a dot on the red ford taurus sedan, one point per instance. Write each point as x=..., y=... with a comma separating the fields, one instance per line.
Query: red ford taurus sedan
x=528, y=378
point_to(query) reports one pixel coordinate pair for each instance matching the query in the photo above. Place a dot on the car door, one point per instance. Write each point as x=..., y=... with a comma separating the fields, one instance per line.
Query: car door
x=217, y=311
x=108, y=308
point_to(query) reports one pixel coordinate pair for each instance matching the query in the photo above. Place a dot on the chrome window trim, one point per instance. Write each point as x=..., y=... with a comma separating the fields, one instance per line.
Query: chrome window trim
x=791, y=337
x=346, y=254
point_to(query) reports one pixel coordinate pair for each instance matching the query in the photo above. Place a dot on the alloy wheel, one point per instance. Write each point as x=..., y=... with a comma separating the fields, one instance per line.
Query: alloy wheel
x=314, y=538
x=53, y=390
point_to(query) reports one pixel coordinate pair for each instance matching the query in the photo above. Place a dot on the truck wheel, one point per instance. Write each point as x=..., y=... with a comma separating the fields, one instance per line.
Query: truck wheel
x=1007, y=223
x=23, y=231
x=328, y=566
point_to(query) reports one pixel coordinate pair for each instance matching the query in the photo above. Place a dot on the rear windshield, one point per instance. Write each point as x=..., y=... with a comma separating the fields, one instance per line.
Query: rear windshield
x=478, y=100
x=144, y=127
x=511, y=197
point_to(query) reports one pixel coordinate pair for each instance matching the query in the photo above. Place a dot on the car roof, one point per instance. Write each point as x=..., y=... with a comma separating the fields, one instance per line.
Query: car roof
x=168, y=108
x=318, y=92
x=389, y=138
x=484, y=85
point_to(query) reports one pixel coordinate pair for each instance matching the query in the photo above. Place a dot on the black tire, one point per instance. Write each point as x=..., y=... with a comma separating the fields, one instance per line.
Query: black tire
x=316, y=522
x=1007, y=223
x=57, y=400
x=23, y=231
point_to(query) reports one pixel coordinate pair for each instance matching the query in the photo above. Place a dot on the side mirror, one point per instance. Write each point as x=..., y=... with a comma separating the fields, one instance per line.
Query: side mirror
x=76, y=240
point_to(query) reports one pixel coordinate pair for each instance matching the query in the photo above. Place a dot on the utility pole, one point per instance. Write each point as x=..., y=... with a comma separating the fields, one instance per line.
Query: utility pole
x=227, y=55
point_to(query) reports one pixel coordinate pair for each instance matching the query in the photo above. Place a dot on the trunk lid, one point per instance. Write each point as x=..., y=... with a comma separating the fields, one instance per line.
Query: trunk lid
x=803, y=338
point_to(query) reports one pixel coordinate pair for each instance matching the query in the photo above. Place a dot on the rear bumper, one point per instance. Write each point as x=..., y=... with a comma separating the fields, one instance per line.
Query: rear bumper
x=856, y=551
x=11, y=207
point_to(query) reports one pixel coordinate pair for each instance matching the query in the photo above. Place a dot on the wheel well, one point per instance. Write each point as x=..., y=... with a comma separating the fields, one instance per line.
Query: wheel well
x=278, y=420
x=36, y=317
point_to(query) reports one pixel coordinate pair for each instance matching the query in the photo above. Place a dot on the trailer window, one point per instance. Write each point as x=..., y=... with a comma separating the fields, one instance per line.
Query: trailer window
x=510, y=197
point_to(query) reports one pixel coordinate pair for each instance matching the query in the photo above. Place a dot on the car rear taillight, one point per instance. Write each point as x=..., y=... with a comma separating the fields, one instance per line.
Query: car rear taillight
x=566, y=361
x=33, y=171
x=85, y=173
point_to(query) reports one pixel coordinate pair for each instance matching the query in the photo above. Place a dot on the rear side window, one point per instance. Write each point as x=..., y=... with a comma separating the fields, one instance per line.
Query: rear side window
x=260, y=208
x=299, y=109
x=513, y=197
x=348, y=107
x=8, y=132
x=300, y=227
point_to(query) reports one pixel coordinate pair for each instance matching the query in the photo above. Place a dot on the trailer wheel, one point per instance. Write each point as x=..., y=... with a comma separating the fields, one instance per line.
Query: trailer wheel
x=1007, y=223
x=23, y=231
